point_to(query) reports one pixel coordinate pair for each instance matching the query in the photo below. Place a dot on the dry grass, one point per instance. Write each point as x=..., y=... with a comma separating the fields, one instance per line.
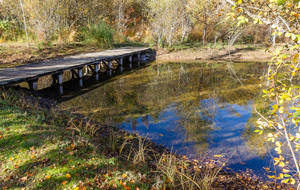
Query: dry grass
x=138, y=153
x=175, y=172
x=83, y=127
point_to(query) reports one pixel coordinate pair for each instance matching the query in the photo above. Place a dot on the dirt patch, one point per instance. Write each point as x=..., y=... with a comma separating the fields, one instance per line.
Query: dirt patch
x=254, y=53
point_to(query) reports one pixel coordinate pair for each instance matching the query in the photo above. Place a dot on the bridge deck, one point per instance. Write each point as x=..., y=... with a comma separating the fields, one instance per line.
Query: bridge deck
x=33, y=71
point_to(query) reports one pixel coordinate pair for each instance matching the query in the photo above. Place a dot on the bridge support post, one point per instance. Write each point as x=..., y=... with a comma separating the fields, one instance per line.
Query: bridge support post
x=121, y=61
x=139, y=56
x=57, y=78
x=96, y=68
x=130, y=58
x=109, y=67
x=33, y=85
x=80, y=74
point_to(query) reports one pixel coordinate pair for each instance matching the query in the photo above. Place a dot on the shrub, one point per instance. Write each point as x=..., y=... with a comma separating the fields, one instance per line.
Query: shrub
x=9, y=30
x=99, y=34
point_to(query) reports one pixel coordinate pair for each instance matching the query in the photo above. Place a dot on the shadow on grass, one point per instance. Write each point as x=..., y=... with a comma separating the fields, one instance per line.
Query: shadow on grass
x=55, y=164
x=52, y=158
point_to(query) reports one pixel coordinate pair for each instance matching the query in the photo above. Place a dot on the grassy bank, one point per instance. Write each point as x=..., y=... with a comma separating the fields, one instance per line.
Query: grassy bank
x=46, y=149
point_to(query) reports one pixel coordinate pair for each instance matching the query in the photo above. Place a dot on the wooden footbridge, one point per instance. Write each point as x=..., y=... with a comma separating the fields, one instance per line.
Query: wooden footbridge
x=32, y=72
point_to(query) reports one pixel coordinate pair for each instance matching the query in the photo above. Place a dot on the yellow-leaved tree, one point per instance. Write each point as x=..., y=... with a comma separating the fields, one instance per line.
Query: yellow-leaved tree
x=282, y=86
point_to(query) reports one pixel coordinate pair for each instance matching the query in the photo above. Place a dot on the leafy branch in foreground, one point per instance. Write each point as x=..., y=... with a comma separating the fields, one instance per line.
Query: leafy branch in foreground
x=282, y=77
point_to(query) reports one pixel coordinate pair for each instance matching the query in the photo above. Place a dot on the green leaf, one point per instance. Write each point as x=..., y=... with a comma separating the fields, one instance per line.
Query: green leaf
x=285, y=181
x=275, y=107
x=296, y=114
x=281, y=109
x=296, y=1
x=295, y=46
x=280, y=2
x=288, y=34
x=283, y=55
x=294, y=108
x=241, y=18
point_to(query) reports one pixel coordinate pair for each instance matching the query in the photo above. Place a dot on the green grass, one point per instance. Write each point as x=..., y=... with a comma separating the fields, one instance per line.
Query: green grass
x=253, y=48
x=100, y=34
x=40, y=151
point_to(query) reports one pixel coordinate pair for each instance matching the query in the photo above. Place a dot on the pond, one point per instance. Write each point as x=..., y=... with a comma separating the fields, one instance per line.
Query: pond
x=195, y=109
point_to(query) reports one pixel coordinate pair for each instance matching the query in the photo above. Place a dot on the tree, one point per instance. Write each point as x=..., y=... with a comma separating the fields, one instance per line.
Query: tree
x=48, y=18
x=127, y=14
x=24, y=20
x=206, y=12
x=281, y=89
x=169, y=19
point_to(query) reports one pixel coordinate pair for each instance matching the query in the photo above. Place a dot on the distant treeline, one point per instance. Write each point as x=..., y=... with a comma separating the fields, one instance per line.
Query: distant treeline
x=103, y=22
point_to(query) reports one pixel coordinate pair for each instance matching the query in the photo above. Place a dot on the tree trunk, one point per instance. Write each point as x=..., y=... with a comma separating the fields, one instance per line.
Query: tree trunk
x=24, y=20
x=205, y=28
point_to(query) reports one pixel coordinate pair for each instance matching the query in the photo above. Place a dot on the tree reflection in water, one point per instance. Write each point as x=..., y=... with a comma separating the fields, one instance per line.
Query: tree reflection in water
x=197, y=108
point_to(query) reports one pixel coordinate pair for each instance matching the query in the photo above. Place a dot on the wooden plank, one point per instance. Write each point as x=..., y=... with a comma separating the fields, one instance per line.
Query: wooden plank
x=28, y=72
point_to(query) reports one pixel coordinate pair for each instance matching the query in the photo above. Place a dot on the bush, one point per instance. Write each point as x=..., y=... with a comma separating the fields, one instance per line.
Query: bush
x=9, y=30
x=99, y=34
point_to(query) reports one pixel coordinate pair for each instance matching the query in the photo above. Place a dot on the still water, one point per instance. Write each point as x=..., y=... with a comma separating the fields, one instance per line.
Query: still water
x=195, y=109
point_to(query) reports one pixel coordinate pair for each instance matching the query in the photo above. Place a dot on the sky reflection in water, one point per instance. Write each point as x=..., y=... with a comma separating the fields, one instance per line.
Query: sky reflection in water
x=199, y=110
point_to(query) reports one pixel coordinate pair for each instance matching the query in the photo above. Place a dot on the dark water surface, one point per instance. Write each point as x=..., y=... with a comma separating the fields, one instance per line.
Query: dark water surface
x=195, y=109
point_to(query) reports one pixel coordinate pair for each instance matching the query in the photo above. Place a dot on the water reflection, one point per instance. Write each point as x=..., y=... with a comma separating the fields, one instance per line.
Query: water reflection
x=196, y=109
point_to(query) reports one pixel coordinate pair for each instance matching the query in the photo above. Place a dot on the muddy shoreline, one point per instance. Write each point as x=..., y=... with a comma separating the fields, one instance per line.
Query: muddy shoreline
x=253, y=53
